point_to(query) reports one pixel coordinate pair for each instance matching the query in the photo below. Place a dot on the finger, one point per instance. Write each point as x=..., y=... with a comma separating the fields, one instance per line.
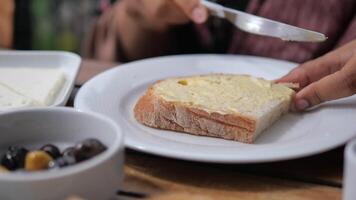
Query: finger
x=316, y=69
x=338, y=85
x=297, y=75
x=101, y=28
x=193, y=9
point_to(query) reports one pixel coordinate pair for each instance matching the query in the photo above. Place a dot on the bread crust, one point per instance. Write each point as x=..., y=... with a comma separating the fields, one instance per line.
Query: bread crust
x=154, y=111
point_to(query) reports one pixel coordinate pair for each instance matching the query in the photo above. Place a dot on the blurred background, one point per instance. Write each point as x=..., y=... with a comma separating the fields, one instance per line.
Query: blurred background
x=47, y=24
x=54, y=24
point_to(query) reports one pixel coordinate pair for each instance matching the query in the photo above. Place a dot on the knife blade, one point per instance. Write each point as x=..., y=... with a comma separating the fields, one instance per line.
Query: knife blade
x=262, y=26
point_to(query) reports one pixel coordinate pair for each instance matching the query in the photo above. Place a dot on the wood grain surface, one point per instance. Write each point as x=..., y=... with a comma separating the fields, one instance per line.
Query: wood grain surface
x=89, y=68
x=163, y=178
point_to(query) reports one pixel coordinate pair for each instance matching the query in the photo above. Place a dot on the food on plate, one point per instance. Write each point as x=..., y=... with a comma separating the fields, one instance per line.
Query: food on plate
x=234, y=107
x=49, y=156
x=26, y=86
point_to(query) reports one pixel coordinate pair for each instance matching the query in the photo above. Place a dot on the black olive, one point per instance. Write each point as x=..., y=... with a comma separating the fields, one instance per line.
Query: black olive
x=14, y=158
x=88, y=149
x=62, y=162
x=70, y=151
x=52, y=150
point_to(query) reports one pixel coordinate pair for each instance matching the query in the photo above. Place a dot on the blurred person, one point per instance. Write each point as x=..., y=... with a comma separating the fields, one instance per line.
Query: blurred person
x=135, y=29
x=45, y=25
x=6, y=23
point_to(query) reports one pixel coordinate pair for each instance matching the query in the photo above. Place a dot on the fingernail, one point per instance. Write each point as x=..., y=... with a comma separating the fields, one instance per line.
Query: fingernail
x=301, y=104
x=199, y=14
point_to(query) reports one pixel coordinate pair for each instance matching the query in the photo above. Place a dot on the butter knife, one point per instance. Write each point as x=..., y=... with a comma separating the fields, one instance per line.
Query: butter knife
x=262, y=26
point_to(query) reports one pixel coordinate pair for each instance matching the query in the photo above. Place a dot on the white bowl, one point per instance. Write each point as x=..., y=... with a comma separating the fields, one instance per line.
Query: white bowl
x=97, y=178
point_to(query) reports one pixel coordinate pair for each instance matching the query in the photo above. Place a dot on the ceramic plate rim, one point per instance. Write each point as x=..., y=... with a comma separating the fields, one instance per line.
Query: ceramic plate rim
x=327, y=144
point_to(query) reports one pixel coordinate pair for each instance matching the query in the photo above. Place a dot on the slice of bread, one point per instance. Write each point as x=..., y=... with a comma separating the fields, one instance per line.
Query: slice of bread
x=234, y=107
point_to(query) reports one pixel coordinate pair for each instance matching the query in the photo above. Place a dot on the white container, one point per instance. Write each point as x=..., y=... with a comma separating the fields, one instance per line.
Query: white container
x=97, y=178
x=349, y=185
x=67, y=62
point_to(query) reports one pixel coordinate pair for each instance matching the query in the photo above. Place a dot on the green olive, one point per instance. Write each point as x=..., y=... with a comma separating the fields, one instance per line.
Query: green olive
x=3, y=169
x=37, y=160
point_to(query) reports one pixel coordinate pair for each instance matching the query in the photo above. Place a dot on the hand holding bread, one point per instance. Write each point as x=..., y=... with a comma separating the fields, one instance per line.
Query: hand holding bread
x=326, y=78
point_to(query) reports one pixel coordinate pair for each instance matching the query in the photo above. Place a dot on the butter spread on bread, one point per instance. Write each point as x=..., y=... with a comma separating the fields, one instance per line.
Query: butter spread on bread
x=235, y=107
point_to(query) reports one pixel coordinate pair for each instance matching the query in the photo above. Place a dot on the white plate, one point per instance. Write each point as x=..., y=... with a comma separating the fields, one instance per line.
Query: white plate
x=114, y=93
x=69, y=63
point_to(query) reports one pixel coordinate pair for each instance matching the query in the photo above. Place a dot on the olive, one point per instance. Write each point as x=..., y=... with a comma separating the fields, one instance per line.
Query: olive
x=52, y=150
x=3, y=169
x=88, y=149
x=70, y=151
x=62, y=162
x=14, y=158
x=37, y=160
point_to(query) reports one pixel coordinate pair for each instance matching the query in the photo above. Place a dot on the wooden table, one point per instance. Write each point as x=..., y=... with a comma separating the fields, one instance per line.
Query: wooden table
x=152, y=177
